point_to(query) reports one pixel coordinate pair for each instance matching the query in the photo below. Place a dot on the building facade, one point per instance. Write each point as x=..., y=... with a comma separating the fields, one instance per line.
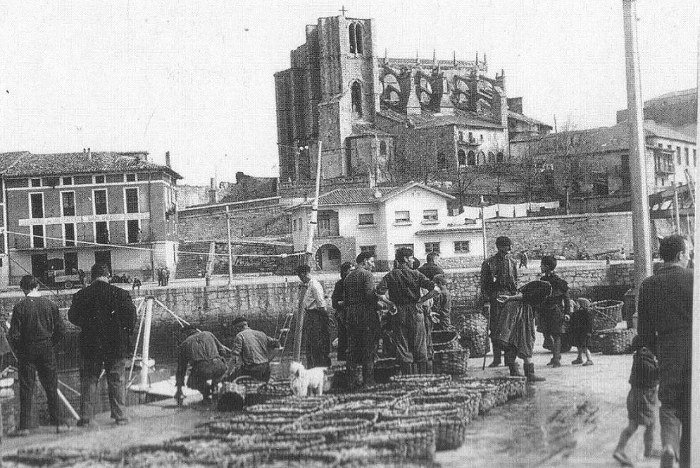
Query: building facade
x=381, y=220
x=590, y=168
x=65, y=212
x=384, y=121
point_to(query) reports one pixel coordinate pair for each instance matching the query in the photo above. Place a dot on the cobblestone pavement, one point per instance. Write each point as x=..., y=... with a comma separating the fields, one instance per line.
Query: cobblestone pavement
x=573, y=419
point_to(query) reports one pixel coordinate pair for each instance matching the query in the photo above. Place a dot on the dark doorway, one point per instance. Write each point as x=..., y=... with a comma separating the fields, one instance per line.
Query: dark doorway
x=39, y=266
x=104, y=256
x=70, y=259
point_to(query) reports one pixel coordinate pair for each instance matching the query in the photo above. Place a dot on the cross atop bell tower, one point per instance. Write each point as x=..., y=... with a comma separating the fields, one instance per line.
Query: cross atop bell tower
x=343, y=11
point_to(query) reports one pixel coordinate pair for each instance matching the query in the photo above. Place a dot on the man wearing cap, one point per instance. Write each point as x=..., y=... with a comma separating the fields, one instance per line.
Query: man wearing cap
x=499, y=276
x=202, y=350
x=250, y=353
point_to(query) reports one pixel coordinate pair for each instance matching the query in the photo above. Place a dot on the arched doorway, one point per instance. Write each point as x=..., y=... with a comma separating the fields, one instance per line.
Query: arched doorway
x=328, y=257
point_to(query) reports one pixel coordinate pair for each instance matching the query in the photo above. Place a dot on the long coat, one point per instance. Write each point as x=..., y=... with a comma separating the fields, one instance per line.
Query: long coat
x=106, y=316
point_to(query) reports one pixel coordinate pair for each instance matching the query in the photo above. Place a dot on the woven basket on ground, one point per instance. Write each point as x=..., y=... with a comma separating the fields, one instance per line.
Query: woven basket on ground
x=617, y=340
x=365, y=401
x=466, y=403
x=507, y=387
x=246, y=424
x=489, y=392
x=49, y=456
x=445, y=339
x=418, y=444
x=420, y=380
x=333, y=424
x=451, y=361
x=275, y=389
x=473, y=333
x=608, y=314
x=448, y=426
x=312, y=458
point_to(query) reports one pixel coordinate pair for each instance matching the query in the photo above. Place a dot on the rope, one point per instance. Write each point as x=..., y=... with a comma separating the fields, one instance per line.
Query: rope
x=145, y=249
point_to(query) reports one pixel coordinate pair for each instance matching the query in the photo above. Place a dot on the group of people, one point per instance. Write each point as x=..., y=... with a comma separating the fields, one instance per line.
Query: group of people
x=404, y=305
x=163, y=275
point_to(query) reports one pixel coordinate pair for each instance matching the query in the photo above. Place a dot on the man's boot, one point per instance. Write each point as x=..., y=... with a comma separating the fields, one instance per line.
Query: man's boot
x=368, y=375
x=530, y=374
x=496, y=355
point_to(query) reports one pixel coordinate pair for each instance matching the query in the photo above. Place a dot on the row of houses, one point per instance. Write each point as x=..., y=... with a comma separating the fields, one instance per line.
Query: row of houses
x=61, y=213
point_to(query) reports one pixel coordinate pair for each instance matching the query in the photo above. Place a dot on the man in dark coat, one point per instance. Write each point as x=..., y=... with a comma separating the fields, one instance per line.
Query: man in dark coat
x=106, y=316
x=499, y=276
x=665, y=311
x=555, y=309
x=360, y=304
x=251, y=351
x=431, y=267
x=338, y=306
x=36, y=328
x=401, y=288
x=203, y=351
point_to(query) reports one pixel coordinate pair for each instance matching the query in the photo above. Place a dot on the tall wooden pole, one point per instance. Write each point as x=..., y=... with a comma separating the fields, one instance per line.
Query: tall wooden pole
x=146, y=343
x=230, y=253
x=641, y=229
x=483, y=226
x=313, y=225
x=695, y=344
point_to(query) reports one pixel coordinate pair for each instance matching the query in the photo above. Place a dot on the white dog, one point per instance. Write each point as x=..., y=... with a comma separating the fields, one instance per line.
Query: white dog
x=301, y=379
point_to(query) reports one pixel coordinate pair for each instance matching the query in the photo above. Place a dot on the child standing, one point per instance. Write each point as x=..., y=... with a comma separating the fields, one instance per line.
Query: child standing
x=442, y=305
x=581, y=329
x=555, y=308
x=641, y=402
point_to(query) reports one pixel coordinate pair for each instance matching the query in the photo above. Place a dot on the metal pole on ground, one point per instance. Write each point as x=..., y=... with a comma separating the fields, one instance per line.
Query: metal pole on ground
x=641, y=228
x=487, y=307
x=230, y=253
x=146, y=342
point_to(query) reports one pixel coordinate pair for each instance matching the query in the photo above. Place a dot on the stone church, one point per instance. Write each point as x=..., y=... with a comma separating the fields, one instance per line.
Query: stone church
x=384, y=121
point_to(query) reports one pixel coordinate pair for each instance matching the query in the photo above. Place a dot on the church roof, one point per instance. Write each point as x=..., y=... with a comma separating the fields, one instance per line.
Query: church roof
x=428, y=120
x=525, y=118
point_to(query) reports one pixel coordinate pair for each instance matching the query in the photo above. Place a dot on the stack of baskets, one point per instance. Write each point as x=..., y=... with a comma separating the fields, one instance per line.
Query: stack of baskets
x=613, y=341
x=473, y=333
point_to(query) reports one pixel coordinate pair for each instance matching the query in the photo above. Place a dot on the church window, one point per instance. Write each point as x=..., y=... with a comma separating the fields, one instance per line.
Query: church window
x=471, y=159
x=461, y=158
x=461, y=136
x=499, y=157
x=471, y=137
x=356, y=96
x=358, y=38
x=424, y=98
x=353, y=43
x=492, y=157
x=394, y=97
x=382, y=148
x=442, y=161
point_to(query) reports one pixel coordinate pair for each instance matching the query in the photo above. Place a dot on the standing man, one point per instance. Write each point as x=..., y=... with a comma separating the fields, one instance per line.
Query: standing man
x=499, y=276
x=318, y=341
x=340, y=318
x=203, y=351
x=665, y=311
x=402, y=286
x=431, y=267
x=166, y=276
x=250, y=354
x=36, y=328
x=106, y=316
x=360, y=304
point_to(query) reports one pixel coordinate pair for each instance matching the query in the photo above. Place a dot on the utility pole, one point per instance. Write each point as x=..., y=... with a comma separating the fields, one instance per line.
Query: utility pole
x=230, y=253
x=313, y=225
x=482, y=204
x=641, y=229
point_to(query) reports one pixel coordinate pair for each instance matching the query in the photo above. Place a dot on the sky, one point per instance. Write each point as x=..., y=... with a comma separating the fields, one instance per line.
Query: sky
x=196, y=77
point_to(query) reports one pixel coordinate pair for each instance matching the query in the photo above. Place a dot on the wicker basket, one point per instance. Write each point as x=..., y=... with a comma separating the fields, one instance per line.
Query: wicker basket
x=467, y=404
x=608, y=314
x=473, y=333
x=488, y=392
x=417, y=444
x=420, y=380
x=231, y=397
x=275, y=389
x=246, y=424
x=331, y=430
x=445, y=340
x=451, y=361
x=507, y=388
x=449, y=427
x=617, y=341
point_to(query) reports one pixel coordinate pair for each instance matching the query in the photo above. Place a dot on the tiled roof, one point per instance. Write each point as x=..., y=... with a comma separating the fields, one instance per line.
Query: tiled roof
x=28, y=164
x=672, y=94
x=367, y=195
x=615, y=138
x=525, y=118
x=428, y=120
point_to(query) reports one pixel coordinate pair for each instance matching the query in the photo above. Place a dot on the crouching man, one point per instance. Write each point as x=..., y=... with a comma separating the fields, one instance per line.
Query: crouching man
x=251, y=352
x=202, y=350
